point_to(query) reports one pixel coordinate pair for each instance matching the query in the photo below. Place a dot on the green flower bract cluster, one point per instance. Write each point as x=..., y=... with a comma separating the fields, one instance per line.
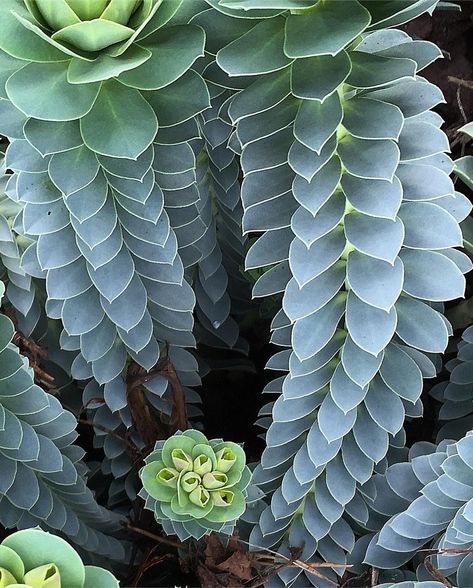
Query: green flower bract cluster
x=189, y=478
x=33, y=558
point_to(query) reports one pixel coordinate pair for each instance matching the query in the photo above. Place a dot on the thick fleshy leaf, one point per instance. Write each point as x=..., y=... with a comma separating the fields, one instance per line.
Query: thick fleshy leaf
x=181, y=100
x=95, y=576
x=150, y=483
x=312, y=333
x=306, y=162
x=308, y=263
x=37, y=188
x=429, y=227
x=371, y=159
x=74, y=169
x=261, y=95
x=93, y=35
x=370, y=328
x=320, y=450
x=372, y=119
x=378, y=237
x=420, y=139
x=52, y=137
x=266, y=122
x=21, y=156
x=309, y=228
x=384, y=407
x=431, y=276
x=258, y=51
x=324, y=30
x=412, y=96
x=334, y=423
x=315, y=78
x=314, y=194
x=120, y=124
x=21, y=42
x=373, y=71
x=377, y=198
x=359, y=365
x=389, y=15
x=12, y=120
x=59, y=100
x=370, y=438
x=375, y=281
x=420, y=326
x=316, y=122
x=301, y=302
x=56, y=16
x=400, y=372
x=8, y=65
x=423, y=182
x=104, y=67
x=221, y=29
x=346, y=394
x=173, y=51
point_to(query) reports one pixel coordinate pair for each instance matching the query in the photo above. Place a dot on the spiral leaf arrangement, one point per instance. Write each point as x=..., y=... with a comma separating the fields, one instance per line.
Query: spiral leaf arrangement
x=90, y=179
x=151, y=145
x=339, y=152
x=194, y=485
x=427, y=499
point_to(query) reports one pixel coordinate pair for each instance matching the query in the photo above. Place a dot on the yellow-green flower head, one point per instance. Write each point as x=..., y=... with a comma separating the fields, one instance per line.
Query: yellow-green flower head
x=199, y=483
x=33, y=558
x=91, y=25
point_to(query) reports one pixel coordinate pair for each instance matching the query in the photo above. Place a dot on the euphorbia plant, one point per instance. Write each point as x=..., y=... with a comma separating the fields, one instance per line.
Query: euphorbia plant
x=199, y=483
x=33, y=558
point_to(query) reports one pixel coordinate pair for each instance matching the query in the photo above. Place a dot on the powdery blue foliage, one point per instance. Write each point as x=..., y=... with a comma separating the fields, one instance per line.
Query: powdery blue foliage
x=156, y=150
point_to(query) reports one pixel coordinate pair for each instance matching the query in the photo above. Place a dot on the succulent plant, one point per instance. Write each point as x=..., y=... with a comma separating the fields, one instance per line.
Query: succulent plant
x=33, y=558
x=91, y=60
x=200, y=483
x=91, y=25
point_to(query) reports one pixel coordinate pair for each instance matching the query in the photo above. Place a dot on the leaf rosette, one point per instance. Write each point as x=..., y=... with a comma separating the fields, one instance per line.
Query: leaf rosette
x=200, y=483
x=91, y=60
x=33, y=558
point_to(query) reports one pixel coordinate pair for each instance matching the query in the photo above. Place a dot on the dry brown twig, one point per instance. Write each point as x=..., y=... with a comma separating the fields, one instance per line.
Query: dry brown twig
x=268, y=557
x=433, y=571
x=143, y=418
x=34, y=352
x=154, y=537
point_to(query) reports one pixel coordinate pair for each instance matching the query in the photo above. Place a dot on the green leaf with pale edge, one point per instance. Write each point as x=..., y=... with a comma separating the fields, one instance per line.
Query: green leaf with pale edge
x=181, y=100
x=373, y=71
x=258, y=51
x=173, y=51
x=121, y=122
x=106, y=67
x=52, y=137
x=154, y=488
x=324, y=30
x=464, y=170
x=467, y=129
x=93, y=35
x=41, y=90
x=95, y=577
x=316, y=122
x=315, y=78
x=18, y=41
